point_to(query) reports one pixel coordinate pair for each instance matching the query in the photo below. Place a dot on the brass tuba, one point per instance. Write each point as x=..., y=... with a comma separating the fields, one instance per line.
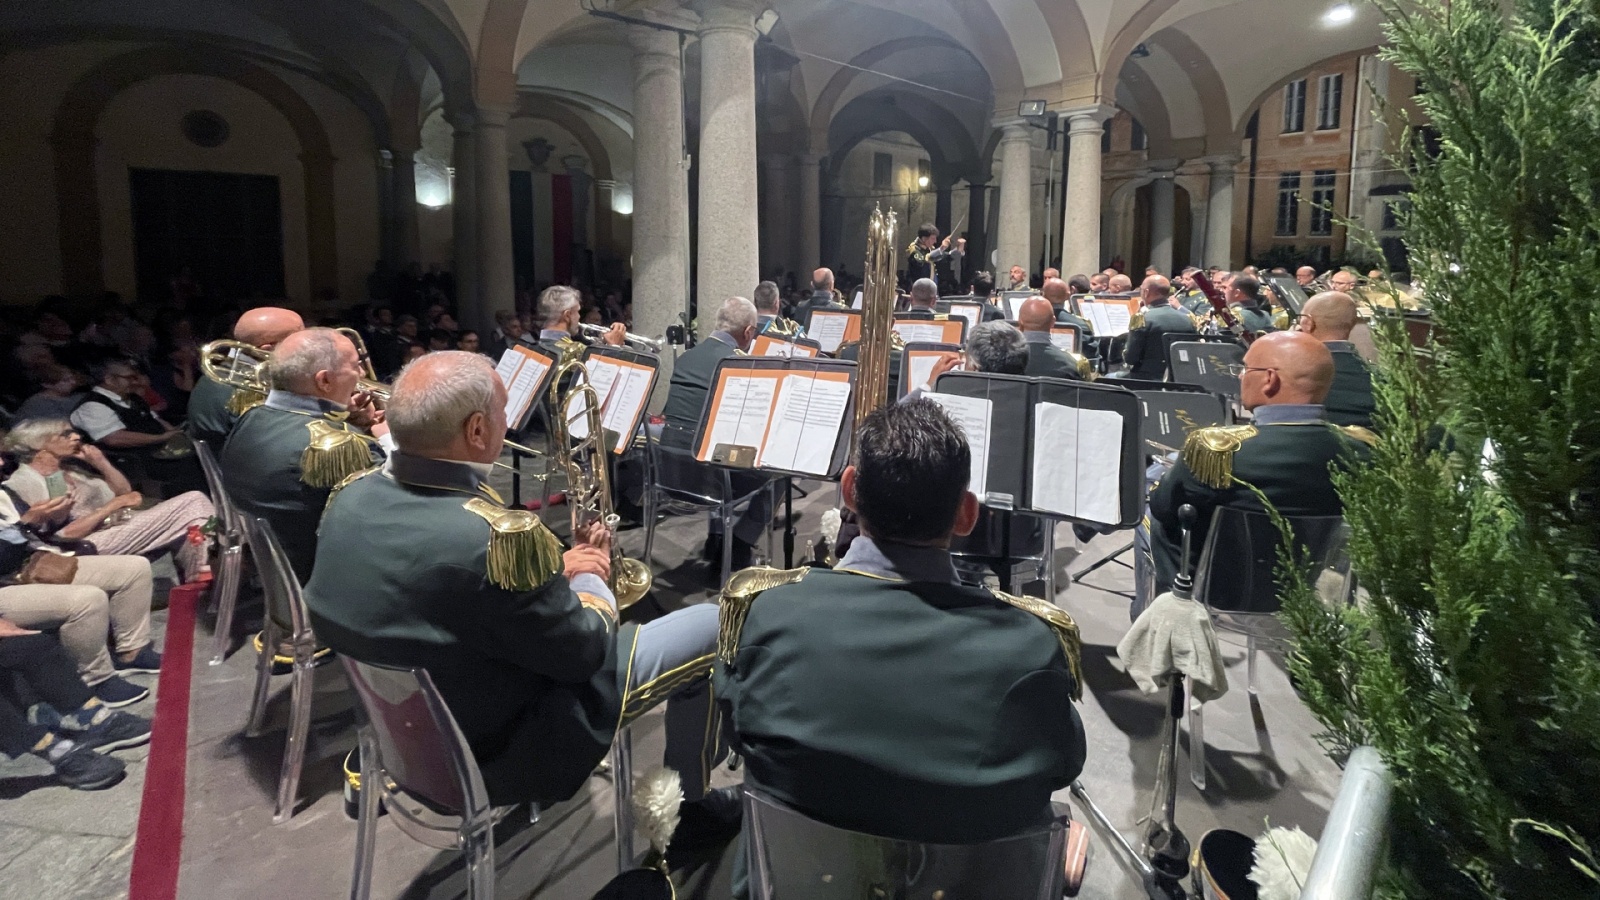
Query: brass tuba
x=589, y=476
x=877, y=318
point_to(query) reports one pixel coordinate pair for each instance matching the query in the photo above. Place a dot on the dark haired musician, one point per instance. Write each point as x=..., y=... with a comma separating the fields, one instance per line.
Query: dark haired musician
x=1244, y=295
x=880, y=696
x=769, y=312
x=1287, y=453
x=213, y=409
x=927, y=251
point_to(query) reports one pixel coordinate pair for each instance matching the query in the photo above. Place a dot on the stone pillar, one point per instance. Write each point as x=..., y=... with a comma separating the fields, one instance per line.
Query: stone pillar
x=777, y=220
x=407, y=238
x=1163, y=192
x=497, y=287
x=660, y=188
x=729, y=226
x=809, y=245
x=1080, y=231
x=1015, y=238
x=464, y=214
x=1219, y=212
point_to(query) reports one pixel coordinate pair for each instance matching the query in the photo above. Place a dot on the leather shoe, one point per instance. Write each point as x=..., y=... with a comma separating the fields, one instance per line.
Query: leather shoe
x=706, y=824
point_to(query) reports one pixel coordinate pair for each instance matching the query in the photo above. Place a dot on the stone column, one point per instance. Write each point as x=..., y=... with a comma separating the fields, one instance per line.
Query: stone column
x=1015, y=237
x=1163, y=192
x=1080, y=231
x=729, y=226
x=1219, y=212
x=660, y=189
x=464, y=214
x=497, y=288
x=809, y=245
x=407, y=238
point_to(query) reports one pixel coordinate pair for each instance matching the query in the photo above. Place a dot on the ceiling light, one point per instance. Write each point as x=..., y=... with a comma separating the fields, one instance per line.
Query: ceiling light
x=1339, y=15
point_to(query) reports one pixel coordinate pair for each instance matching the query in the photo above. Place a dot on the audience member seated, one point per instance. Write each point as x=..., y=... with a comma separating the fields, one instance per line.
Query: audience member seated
x=55, y=462
x=70, y=729
x=52, y=331
x=884, y=696
x=59, y=394
x=1287, y=454
x=1146, y=354
x=116, y=417
x=214, y=408
x=521, y=638
x=1036, y=318
x=686, y=396
x=468, y=342
x=107, y=595
x=1330, y=317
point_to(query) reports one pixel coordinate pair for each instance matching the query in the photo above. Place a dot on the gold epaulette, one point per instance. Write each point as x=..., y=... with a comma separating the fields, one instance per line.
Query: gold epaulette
x=1137, y=322
x=1085, y=368
x=571, y=350
x=523, y=553
x=1360, y=433
x=1208, y=452
x=333, y=455
x=242, y=400
x=739, y=595
x=1280, y=319
x=348, y=480
x=1061, y=623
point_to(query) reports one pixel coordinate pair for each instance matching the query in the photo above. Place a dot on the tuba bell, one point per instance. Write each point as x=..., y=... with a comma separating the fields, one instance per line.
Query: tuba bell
x=589, y=477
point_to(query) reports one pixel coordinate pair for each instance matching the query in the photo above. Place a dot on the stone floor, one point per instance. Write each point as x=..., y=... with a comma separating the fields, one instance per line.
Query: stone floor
x=1263, y=763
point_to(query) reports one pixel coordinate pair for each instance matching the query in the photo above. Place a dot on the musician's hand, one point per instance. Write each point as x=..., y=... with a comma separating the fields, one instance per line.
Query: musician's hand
x=12, y=629
x=379, y=429
x=616, y=335
x=947, y=362
x=596, y=535
x=584, y=559
x=40, y=513
x=944, y=244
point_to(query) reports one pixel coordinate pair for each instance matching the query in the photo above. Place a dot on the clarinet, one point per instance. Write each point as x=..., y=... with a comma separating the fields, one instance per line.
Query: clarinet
x=1219, y=304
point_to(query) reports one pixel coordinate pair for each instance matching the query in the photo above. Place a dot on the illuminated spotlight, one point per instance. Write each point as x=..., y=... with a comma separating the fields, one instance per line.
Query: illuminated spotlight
x=922, y=181
x=1339, y=15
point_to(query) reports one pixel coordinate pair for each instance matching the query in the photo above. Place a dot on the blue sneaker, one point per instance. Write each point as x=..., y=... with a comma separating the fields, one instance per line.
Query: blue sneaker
x=114, y=692
x=147, y=660
x=117, y=731
x=44, y=714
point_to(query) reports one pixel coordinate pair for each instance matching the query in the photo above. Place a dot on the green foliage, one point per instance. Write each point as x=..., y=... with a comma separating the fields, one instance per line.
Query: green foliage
x=1473, y=665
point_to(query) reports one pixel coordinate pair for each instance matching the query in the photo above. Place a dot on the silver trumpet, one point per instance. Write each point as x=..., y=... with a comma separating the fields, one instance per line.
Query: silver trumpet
x=636, y=341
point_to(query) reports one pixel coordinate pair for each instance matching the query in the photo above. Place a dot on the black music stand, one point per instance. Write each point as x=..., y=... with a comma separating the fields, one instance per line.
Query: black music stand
x=905, y=381
x=1205, y=363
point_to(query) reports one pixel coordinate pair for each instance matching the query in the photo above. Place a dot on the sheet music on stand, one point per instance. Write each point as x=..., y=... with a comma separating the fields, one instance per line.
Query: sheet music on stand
x=1064, y=449
x=525, y=371
x=917, y=361
x=783, y=415
x=623, y=381
x=782, y=345
x=970, y=310
x=1013, y=300
x=1066, y=337
x=931, y=331
x=1205, y=363
x=832, y=327
x=855, y=302
x=1110, y=316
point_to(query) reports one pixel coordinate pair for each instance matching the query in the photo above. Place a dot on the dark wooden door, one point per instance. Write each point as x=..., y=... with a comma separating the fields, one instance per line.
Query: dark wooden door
x=225, y=227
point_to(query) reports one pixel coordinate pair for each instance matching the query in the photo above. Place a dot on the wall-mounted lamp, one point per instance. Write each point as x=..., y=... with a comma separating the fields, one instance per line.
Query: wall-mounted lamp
x=1030, y=109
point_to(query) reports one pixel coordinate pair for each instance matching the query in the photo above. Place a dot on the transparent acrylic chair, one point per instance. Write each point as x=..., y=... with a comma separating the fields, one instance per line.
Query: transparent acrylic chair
x=230, y=569
x=283, y=592
x=791, y=855
x=1031, y=555
x=693, y=486
x=1236, y=579
x=416, y=762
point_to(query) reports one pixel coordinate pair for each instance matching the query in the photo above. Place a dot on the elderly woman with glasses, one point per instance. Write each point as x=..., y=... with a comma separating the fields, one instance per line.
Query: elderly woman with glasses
x=55, y=462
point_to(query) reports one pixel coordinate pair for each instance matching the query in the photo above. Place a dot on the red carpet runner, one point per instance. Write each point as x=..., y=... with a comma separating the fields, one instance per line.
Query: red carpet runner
x=158, y=845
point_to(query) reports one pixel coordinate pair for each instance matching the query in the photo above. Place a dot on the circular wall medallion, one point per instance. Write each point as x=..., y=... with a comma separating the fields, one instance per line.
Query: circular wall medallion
x=205, y=128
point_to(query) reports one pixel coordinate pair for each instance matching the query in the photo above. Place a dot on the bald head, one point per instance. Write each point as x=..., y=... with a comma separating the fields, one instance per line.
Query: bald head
x=266, y=326
x=1155, y=290
x=1036, y=314
x=1329, y=316
x=822, y=280
x=1286, y=367
x=1120, y=284
x=449, y=405
x=1056, y=291
x=1305, y=275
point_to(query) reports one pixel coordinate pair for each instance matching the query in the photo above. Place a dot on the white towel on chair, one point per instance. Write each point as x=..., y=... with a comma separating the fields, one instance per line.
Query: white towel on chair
x=1174, y=635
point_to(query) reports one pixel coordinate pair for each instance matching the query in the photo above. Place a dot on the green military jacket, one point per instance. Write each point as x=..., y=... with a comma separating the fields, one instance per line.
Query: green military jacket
x=1065, y=316
x=1290, y=461
x=1195, y=302
x=421, y=565
x=1254, y=318
x=272, y=471
x=1045, y=360
x=1146, y=353
x=1350, y=400
x=210, y=416
x=920, y=710
x=691, y=383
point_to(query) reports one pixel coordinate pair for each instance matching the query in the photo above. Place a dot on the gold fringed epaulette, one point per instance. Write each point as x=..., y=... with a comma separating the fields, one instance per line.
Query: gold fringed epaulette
x=1137, y=322
x=242, y=400
x=523, y=553
x=1208, y=452
x=1360, y=433
x=1085, y=368
x=333, y=455
x=1061, y=623
x=737, y=597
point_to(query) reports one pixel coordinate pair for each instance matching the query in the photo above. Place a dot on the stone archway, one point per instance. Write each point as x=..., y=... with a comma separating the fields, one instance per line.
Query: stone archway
x=73, y=141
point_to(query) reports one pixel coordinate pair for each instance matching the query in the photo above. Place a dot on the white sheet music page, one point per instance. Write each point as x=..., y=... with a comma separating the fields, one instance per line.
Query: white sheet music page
x=741, y=417
x=1081, y=479
x=974, y=415
x=520, y=390
x=920, y=332
x=828, y=330
x=779, y=348
x=1064, y=340
x=969, y=311
x=805, y=425
x=921, y=366
x=602, y=375
x=629, y=392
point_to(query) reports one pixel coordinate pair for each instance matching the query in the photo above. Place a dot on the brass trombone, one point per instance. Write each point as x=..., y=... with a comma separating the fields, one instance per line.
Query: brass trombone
x=636, y=341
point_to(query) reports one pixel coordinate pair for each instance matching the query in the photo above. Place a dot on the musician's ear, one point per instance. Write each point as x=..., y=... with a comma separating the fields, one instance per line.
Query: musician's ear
x=966, y=515
x=847, y=488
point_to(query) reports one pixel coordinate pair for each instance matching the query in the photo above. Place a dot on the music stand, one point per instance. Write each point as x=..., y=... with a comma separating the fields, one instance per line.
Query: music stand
x=952, y=330
x=1012, y=301
x=784, y=345
x=1205, y=363
x=916, y=363
x=623, y=380
x=833, y=327
x=1067, y=337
